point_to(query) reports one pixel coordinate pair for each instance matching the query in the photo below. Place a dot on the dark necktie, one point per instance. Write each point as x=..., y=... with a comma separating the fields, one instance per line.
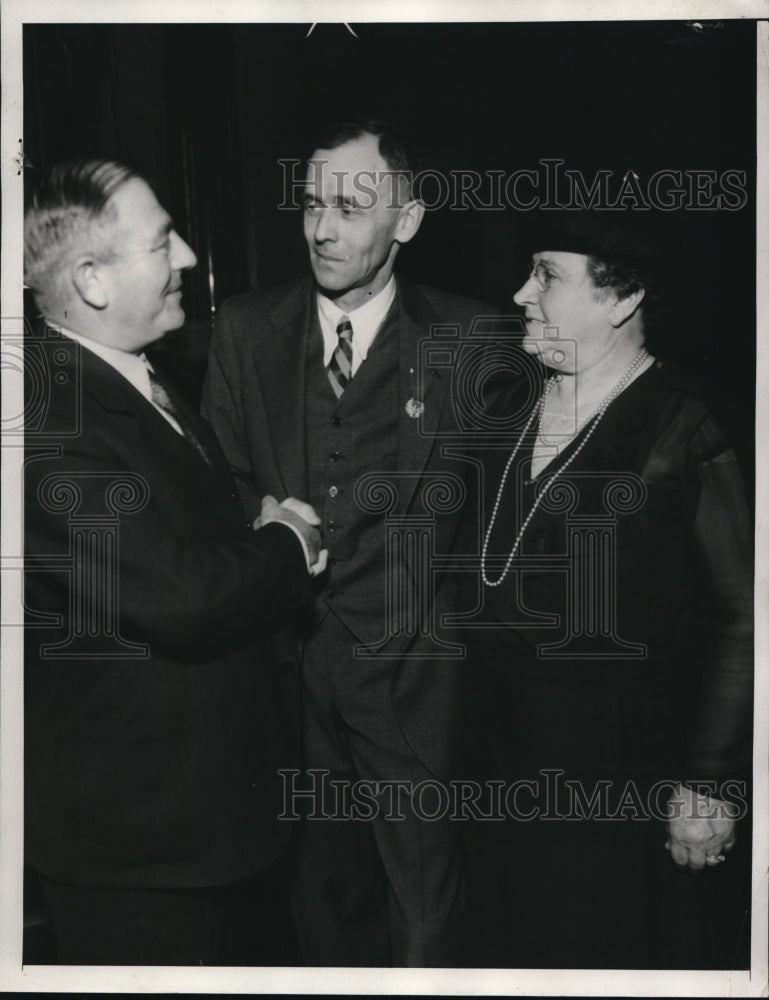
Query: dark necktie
x=340, y=367
x=161, y=398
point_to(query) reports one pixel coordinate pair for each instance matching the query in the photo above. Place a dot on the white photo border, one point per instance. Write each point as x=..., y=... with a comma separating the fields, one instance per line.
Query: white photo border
x=490, y=982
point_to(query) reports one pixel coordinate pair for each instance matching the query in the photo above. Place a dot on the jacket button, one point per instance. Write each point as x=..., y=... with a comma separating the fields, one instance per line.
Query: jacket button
x=337, y=421
x=287, y=668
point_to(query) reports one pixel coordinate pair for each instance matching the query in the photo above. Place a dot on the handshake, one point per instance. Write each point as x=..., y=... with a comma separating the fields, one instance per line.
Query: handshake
x=303, y=521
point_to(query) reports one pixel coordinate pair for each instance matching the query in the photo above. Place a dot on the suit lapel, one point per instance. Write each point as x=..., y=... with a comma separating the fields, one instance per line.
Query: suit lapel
x=418, y=384
x=282, y=374
x=115, y=394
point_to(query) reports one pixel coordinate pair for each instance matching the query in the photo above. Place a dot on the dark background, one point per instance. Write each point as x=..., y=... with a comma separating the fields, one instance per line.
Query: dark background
x=207, y=110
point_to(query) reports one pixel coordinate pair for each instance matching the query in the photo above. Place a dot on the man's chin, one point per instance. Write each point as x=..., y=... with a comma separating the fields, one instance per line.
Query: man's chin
x=174, y=321
x=331, y=290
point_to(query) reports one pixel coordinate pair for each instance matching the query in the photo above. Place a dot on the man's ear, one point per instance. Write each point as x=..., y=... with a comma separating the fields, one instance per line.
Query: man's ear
x=87, y=278
x=409, y=221
x=624, y=308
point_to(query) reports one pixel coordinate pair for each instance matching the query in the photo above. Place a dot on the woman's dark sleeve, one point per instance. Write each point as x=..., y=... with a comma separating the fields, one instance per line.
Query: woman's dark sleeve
x=719, y=742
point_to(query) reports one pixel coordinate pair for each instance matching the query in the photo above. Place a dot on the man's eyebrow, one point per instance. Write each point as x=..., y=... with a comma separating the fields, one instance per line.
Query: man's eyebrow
x=346, y=201
x=340, y=201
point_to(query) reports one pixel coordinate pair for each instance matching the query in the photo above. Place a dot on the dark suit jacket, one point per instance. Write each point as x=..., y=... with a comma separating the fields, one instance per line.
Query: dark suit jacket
x=152, y=745
x=255, y=398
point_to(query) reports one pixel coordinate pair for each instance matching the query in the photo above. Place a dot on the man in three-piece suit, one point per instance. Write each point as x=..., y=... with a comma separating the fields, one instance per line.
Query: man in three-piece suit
x=316, y=390
x=157, y=715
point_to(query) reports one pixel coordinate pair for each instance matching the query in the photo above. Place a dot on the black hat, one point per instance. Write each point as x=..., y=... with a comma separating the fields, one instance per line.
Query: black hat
x=627, y=236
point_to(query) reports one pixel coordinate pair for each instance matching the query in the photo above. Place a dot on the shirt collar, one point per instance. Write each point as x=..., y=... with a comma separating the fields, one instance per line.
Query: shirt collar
x=366, y=320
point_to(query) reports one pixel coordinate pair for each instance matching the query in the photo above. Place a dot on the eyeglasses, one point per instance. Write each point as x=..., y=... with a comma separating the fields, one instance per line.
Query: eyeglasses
x=542, y=276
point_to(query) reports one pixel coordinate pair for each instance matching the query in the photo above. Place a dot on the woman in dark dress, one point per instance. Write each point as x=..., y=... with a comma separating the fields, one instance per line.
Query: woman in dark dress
x=609, y=652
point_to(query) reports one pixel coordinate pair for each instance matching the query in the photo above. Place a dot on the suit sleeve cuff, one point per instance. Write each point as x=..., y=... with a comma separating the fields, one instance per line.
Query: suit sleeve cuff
x=299, y=535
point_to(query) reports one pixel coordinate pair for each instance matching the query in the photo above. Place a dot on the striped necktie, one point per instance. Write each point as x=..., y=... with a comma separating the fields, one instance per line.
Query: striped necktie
x=340, y=367
x=162, y=399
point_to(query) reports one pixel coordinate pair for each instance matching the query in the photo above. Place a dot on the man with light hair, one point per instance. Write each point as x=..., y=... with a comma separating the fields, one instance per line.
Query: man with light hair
x=156, y=712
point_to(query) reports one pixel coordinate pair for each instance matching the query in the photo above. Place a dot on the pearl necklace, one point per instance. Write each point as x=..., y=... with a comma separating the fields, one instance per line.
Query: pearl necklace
x=628, y=375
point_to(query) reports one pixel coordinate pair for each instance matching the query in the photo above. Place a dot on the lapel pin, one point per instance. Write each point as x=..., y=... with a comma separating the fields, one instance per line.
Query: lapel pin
x=415, y=408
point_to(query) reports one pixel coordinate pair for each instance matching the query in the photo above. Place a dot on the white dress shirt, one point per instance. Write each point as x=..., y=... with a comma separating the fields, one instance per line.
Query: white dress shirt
x=366, y=320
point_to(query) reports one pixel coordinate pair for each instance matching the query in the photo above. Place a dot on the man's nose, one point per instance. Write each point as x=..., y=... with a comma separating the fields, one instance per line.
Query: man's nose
x=527, y=293
x=182, y=255
x=325, y=227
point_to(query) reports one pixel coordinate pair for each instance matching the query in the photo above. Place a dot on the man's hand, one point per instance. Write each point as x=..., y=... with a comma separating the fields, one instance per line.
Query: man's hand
x=700, y=829
x=302, y=518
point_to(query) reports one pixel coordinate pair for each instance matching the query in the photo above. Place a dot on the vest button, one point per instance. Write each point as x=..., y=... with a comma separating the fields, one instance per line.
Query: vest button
x=337, y=421
x=287, y=668
x=334, y=456
x=333, y=491
x=331, y=594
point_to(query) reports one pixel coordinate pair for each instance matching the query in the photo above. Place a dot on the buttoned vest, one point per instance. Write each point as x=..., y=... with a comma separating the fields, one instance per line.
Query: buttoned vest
x=348, y=439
